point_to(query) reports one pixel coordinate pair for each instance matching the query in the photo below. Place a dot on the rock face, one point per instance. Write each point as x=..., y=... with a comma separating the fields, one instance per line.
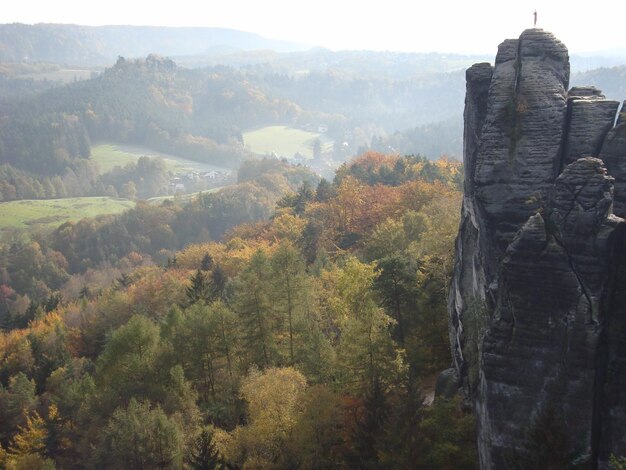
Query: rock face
x=538, y=297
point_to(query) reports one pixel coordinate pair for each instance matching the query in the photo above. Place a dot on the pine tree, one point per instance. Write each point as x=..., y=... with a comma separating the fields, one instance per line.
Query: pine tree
x=304, y=195
x=84, y=293
x=124, y=281
x=324, y=191
x=217, y=285
x=289, y=291
x=395, y=284
x=52, y=302
x=207, y=262
x=199, y=289
x=547, y=444
x=369, y=429
x=255, y=309
x=203, y=454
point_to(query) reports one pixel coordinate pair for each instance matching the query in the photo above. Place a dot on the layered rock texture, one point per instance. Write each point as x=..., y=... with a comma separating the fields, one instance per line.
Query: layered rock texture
x=538, y=297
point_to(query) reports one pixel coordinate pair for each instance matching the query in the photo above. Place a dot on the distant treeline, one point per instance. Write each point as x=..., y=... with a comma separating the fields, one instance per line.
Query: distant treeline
x=611, y=80
x=200, y=114
x=41, y=265
x=148, y=177
x=388, y=104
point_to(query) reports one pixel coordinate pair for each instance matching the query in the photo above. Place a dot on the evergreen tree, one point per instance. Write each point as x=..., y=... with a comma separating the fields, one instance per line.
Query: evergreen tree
x=324, y=191
x=217, y=284
x=207, y=262
x=124, y=281
x=52, y=302
x=254, y=304
x=198, y=291
x=399, y=445
x=303, y=197
x=289, y=289
x=395, y=283
x=203, y=455
x=547, y=444
x=368, y=430
x=84, y=293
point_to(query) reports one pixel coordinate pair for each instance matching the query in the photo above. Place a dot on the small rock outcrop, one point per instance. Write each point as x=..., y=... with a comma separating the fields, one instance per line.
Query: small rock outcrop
x=538, y=298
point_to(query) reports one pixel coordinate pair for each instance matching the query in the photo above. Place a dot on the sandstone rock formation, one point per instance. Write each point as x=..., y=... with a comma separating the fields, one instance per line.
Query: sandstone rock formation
x=538, y=297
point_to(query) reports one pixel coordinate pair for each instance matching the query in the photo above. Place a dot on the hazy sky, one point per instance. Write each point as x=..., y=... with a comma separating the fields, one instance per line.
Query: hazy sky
x=470, y=26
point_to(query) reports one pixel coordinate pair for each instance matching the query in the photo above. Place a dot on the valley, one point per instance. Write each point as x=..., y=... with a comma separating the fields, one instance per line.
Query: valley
x=222, y=251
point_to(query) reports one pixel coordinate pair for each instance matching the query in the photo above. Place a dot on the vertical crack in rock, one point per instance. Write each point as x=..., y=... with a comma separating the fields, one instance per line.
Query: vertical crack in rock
x=613, y=154
x=538, y=296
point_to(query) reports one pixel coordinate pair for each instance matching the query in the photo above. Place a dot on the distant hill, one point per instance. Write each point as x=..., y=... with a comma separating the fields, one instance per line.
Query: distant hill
x=611, y=80
x=201, y=113
x=584, y=63
x=99, y=45
x=362, y=63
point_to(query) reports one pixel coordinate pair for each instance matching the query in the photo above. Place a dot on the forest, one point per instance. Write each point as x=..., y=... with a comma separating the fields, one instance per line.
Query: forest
x=297, y=331
x=46, y=130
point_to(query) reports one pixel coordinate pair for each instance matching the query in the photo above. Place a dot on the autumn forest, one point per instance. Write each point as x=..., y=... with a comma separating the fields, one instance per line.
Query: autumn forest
x=302, y=339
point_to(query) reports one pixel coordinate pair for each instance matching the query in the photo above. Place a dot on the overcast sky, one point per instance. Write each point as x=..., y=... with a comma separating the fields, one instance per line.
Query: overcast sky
x=470, y=26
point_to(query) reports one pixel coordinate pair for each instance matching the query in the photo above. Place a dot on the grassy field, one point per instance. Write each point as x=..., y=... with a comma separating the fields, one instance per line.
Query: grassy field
x=184, y=198
x=108, y=156
x=53, y=212
x=283, y=141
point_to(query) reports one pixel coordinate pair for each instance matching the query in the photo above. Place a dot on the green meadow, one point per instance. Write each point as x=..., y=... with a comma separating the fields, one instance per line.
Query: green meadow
x=51, y=213
x=283, y=141
x=108, y=155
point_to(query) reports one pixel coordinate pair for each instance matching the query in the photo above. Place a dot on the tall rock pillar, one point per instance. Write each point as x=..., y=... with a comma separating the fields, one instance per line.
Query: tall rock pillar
x=535, y=267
